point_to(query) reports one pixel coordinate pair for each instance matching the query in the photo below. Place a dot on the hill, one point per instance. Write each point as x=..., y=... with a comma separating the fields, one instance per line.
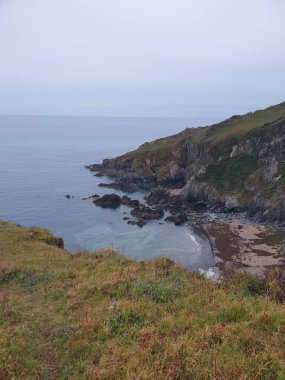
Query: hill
x=104, y=316
x=238, y=164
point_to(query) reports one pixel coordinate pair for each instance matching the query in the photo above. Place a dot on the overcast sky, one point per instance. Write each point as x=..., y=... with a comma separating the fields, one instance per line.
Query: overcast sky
x=194, y=58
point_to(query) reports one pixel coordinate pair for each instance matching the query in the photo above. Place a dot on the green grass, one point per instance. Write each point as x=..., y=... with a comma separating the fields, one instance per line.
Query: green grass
x=244, y=124
x=103, y=316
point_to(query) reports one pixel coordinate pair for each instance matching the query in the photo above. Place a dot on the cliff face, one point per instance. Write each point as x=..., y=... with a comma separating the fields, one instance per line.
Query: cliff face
x=239, y=164
x=246, y=173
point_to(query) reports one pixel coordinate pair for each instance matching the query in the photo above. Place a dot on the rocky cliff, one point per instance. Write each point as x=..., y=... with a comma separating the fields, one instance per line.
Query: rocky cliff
x=238, y=164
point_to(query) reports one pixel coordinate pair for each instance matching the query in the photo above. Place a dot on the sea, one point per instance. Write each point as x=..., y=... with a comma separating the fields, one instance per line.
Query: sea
x=42, y=159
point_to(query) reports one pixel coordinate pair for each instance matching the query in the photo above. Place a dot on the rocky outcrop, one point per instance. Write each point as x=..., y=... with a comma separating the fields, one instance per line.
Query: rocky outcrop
x=147, y=213
x=108, y=201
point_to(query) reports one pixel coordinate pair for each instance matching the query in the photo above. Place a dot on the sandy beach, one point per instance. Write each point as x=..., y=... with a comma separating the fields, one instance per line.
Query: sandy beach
x=251, y=248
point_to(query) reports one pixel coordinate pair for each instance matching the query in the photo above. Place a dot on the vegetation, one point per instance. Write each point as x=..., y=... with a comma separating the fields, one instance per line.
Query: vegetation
x=104, y=316
x=230, y=173
x=230, y=130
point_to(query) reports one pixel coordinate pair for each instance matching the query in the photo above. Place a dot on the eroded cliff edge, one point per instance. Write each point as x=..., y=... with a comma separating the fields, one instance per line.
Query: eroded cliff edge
x=237, y=165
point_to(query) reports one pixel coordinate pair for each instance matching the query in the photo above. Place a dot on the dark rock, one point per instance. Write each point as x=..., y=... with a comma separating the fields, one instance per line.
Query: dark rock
x=158, y=196
x=132, y=222
x=126, y=201
x=113, y=185
x=99, y=174
x=177, y=219
x=92, y=197
x=108, y=201
x=139, y=223
x=126, y=218
x=146, y=213
x=200, y=206
x=94, y=167
x=68, y=196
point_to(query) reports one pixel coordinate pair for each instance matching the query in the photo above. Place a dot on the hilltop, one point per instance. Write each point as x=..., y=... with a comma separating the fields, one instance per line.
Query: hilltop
x=236, y=165
x=103, y=316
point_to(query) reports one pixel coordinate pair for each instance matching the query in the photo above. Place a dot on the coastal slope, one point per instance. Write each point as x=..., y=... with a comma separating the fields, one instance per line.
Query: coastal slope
x=104, y=316
x=237, y=165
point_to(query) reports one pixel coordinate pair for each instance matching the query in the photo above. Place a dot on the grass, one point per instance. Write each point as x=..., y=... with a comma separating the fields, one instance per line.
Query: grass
x=103, y=316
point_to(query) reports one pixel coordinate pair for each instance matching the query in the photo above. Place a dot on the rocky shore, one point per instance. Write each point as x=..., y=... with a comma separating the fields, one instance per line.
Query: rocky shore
x=228, y=178
x=238, y=242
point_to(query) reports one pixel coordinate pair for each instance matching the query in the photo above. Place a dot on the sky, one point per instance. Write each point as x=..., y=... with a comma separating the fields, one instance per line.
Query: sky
x=171, y=58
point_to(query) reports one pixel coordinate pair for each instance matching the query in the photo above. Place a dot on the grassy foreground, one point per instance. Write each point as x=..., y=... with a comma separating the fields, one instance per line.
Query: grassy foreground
x=103, y=316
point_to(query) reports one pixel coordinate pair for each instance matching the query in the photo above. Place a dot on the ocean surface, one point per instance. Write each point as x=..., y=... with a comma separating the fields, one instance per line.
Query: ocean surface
x=42, y=159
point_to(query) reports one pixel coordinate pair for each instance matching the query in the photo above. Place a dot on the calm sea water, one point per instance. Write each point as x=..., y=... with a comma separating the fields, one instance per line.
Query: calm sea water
x=42, y=159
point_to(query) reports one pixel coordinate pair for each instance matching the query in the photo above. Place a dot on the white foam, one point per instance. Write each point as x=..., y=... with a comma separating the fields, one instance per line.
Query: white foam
x=209, y=273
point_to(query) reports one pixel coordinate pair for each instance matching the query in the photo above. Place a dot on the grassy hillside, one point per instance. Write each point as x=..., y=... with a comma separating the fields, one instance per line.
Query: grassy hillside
x=236, y=126
x=220, y=137
x=103, y=316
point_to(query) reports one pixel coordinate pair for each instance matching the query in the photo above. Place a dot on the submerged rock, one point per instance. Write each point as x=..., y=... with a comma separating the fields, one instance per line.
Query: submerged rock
x=108, y=201
x=92, y=197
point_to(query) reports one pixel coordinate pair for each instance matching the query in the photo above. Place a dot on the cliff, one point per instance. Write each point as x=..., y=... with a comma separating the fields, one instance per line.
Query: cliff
x=238, y=164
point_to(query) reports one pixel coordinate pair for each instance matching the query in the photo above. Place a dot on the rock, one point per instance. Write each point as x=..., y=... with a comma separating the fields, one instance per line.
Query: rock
x=200, y=206
x=132, y=222
x=139, y=223
x=113, y=185
x=94, y=167
x=231, y=202
x=99, y=174
x=146, y=213
x=68, y=196
x=158, y=196
x=108, y=201
x=176, y=172
x=177, y=219
x=281, y=252
x=270, y=170
x=126, y=201
x=92, y=197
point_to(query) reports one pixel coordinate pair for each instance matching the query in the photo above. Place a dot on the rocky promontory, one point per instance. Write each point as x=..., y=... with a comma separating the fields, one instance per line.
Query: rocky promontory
x=235, y=166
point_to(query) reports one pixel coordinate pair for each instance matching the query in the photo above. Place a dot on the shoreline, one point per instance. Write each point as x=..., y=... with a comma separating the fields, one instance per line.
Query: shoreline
x=251, y=248
x=238, y=242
